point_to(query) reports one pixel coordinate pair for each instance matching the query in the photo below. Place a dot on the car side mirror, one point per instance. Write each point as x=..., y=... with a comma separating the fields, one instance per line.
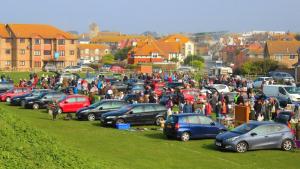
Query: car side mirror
x=253, y=134
x=213, y=123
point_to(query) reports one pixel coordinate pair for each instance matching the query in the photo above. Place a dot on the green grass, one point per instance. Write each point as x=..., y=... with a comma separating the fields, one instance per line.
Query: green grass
x=16, y=76
x=112, y=148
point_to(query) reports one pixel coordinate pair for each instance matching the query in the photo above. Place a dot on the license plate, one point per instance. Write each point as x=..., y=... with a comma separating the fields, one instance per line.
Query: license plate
x=218, y=144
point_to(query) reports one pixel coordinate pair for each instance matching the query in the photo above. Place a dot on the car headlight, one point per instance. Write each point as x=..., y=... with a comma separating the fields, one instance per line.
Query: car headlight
x=110, y=117
x=232, y=139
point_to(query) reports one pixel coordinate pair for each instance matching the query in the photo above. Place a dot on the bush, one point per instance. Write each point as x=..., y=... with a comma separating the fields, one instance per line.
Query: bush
x=22, y=146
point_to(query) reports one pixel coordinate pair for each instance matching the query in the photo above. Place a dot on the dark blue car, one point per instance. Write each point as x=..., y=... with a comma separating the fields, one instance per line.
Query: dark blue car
x=191, y=126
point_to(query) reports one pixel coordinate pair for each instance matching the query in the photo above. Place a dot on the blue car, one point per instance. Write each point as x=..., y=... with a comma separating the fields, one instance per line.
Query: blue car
x=192, y=126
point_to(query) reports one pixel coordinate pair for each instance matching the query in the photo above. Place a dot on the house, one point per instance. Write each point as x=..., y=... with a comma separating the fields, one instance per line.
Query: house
x=146, y=51
x=89, y=53
x=172, y=50
x=187, y=46
x=34, y=45
x=255, y=51
x=5, y=49
x=285, y=52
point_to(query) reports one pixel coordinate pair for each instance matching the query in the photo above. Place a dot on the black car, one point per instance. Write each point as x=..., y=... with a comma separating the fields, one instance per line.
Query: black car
x=136, y=114
x=43, y=100
x=174, y=85
x=120, y=86
x=94, y=111
x=20, y=100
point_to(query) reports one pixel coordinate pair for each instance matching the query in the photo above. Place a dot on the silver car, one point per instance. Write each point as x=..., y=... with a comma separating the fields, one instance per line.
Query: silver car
x=256, y=135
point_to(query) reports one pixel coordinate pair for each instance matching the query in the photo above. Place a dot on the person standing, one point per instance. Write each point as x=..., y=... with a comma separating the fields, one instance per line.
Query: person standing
x=187, y=108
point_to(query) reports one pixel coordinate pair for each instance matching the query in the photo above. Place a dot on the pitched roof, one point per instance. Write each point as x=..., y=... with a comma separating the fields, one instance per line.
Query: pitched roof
x=92, y=46
x=283, y=47
x=3, y=31
x=176, y=38
x=115, y=38
x=45, y=31
x=147, y=47
x=169, y=47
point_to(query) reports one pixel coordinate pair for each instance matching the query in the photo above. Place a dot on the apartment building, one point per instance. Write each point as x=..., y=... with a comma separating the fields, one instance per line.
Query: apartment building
x=89, y=53
x=33, y=45
x=5, y=48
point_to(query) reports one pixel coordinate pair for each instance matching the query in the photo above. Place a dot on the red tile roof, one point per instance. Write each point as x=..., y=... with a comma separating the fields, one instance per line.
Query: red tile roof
x=3, y=31
x=44, y=31
x=283, y=47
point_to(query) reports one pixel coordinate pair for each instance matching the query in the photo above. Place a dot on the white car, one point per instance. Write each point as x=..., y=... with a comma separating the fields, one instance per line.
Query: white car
x=258, y=82
x=72, y=69
x=221, y=88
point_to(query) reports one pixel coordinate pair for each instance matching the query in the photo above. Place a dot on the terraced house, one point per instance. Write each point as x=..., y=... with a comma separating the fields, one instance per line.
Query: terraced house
x=5, y=49
x=32, y=46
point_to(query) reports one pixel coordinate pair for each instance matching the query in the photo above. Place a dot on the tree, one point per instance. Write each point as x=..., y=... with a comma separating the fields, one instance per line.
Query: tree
x=108, y=59
x=190, y=58
x=259, y=67
x=122, y=54
x=197, y=64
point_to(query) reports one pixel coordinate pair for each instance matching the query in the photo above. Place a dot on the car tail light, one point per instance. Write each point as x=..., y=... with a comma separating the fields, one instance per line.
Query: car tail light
x=177, y=126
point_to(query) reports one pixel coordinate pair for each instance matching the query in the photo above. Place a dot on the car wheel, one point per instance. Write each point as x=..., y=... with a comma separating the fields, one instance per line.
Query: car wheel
x=35, y=106
x=185, y=136
x=8, y=99
x=91, y=117
x=23, y=103
x=159, y=120
x=241, y=147
x=120, y=121
x=287, y=145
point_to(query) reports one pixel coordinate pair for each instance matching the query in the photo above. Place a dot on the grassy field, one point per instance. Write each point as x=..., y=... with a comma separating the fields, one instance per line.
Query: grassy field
x=147, y=149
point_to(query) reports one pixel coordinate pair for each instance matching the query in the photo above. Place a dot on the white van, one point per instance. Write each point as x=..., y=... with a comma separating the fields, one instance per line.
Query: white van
x=285, y=91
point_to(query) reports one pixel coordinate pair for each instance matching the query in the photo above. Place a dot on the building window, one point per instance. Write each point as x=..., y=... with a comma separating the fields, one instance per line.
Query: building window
x=47, y=52
x=61, y=53
x=72, y=52
x=72, y=42
x=278, y=57
x=8, y=40
x=22, y=63
x=47, y=41
x=37, y=41
x=61, y=41
x=37, y=53
x=97, y=51
x=154, y=55
x=87, y=51
x=22, y=40
x=7, y=63
x=37, y=64
x=7, y=51
x=22, y=51
x=292, y=57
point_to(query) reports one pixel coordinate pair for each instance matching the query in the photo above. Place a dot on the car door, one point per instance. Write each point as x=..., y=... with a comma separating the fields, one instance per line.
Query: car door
x=258, y=138
x=149, y=114
x=274, y=135
x=134, y=116
x=103, y=108
x=195, y=126
x=80, y=103
x=210, y=130
x=69, y=104
x=282, y=93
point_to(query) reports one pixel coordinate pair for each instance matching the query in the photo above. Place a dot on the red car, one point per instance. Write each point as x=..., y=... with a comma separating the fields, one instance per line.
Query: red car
x=191, y=94
x=72, y=103
x=158, y=88
x=14, y=92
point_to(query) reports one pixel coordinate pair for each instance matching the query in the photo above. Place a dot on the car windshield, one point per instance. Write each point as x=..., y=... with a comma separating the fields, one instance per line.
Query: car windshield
x=61, y=98
x=96, y=104
x=292, y=90
x=245, y=128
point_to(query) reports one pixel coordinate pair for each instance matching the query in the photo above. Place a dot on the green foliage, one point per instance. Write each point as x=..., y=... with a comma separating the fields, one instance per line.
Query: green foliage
x=190, y=58
x=22, y=146
x=122, y=54
x=174, y=59
x=259, y=67
x=108, y=59
x=197, y=64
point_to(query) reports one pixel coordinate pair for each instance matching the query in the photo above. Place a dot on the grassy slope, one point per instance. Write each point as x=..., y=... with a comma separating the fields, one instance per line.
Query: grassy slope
x=149, y=149
x=23, y=146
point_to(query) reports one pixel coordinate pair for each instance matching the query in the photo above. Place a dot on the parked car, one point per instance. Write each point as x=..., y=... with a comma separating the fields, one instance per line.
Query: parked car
x=120, y=86
x=174, y=85
x=85, y=68
x=282, y=76
x=221, y=88
x=13, y=92
x=256, y=135
x=191, y=126
x=136, y=114
x=50, y=68
x=69, y=76
x=72, y=69
x=258, y=82
x=94, y=111
x=289, y=92
x=5, y=86
x=71, y=103
x=20, y=100
x=42, y=102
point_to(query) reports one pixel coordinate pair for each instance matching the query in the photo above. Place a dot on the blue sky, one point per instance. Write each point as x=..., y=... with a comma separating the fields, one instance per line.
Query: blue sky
x=163, y=16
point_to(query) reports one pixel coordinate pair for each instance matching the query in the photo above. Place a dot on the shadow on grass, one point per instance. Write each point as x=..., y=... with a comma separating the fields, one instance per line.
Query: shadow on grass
x=159, y=136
